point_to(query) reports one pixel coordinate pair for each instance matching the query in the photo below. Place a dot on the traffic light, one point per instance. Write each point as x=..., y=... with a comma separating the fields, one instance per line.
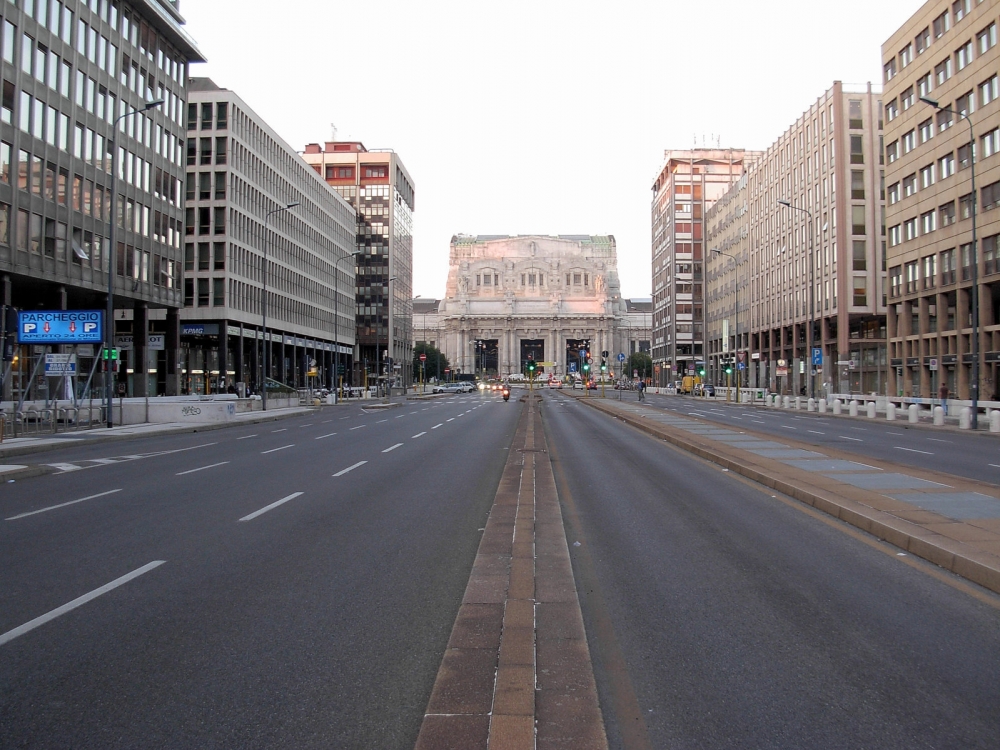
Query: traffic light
x=532, y=367
x=586, y=368
x=729, y=366
x=701, y=371
x=604, y=365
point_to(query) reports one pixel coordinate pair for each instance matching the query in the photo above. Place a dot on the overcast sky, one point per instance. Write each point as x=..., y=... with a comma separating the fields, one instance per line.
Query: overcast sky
x=537, y=117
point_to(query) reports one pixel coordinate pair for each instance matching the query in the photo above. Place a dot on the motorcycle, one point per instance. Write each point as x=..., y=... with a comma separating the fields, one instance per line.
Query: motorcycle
x=506, y=395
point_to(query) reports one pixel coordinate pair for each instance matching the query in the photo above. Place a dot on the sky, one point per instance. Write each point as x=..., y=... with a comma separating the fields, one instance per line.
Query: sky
x=539, y=117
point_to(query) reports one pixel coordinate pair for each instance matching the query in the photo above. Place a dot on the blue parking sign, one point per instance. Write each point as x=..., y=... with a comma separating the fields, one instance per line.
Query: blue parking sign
x=817, y=356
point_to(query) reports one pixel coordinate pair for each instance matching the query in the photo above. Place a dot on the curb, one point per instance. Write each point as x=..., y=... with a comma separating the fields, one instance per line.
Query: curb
x=954, y=556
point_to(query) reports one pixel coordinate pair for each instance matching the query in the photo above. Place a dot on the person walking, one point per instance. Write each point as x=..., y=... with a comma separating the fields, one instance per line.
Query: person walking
x=641, y=386
x=943, y=395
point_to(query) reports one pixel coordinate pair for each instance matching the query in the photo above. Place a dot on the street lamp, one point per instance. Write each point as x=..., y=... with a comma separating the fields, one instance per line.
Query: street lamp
x=974, y=260
x=110, y=254
x=390, y=348
x=736, y=302
x=812, y=285
x=336, y=321
x=263, y=306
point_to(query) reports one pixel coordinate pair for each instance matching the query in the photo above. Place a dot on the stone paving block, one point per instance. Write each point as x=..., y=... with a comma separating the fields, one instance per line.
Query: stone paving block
x=958, y=505
x=464, y=682
x=883, y=481
x=558, y=620
x=491, y=565
x=963, y=532
x=522, y=579
x=517, y=647
x=519, y=613
x=563, y=665
x=569, y=720
x=515, y=691
x=512, y=732
x=828, y=464
x=454, y=732
x=920, y=516
x=477, y=626
x=486, y=590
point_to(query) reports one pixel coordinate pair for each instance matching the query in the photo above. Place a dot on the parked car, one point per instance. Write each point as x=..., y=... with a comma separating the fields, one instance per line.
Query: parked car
x=449, y=388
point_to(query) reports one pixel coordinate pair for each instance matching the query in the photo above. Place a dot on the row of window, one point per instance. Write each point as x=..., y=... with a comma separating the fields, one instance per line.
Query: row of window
x=943, y=216
x=221, y=116
x=940, y=268
x=985, y=39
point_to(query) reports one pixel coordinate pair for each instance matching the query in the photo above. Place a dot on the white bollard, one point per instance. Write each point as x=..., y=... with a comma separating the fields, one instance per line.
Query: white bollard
x=965, y=418
x=787, y=402
x=822, y=406
x=890, y=412
x=870, y=406
x=838, y=408
x=798, y=403
x=853, y=408
x=938, y=415
x=995, y=420
x=914, y=411
x=811, y=405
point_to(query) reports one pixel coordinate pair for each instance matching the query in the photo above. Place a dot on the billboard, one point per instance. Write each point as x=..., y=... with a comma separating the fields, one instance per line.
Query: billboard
x=60, y=326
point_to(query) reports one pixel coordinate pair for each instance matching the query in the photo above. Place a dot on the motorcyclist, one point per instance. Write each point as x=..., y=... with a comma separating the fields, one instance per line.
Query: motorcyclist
x=506, y=393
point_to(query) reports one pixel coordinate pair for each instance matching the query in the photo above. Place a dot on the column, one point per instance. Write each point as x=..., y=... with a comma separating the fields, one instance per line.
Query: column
x=223, y=380
x=172, y=343
x=6, y=298
x=140, y=330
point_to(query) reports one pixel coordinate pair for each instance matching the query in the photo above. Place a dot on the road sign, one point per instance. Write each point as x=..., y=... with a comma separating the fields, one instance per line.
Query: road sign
x=546, y=364
x=60, y=327
x=57, y=365
x=817, y=358
x=621, y=357
x=741, y=356
x=604, y=353
x=423, y=357
x=741, y=365
x=572, y=366
x=782, y=369
x=590, y=360
x=635, y=373
x=934, y=365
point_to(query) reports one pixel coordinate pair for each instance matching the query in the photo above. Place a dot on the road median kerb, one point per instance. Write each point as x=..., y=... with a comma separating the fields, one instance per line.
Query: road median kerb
x=841, y=501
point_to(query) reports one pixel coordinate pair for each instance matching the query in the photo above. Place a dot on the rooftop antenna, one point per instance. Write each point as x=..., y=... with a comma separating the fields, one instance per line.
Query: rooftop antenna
x=333, y=132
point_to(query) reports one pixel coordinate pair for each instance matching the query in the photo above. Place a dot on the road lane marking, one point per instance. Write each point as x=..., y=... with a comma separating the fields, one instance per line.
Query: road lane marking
x=331, y=434
x=461, y=415
x=938, y=440
x=325, y=421
x=789, y=427
x=995, y=466
x=863, y=429
x=283, y=429
x=418, y=435
x=912, y=450
x=292, y=445
x=758, y=421
x=65, y=467
x=451, y=419
x=247, y=436
x=266, y=508
x=856, y=440
x=896, y=434
x=816, y=432
x=201, y=468
x=347, y=417
x=413, y=412
x=80, y=600
x=381, y=421
x=400, y=416
x=350, y=468
x=103, y=461
x=62, y=505
x=306, y=425
x=358, y=427
x=392, y=447
x=437, y=425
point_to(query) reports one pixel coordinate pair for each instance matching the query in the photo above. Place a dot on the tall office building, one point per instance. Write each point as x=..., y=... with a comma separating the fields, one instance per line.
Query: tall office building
x=240, y=236
x=69, y=70
x=686, y=186
x=946, y=52
x=828, y=167
x=377, y=184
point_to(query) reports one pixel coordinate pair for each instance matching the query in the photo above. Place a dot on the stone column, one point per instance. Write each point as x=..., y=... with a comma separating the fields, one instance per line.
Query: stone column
x=140, y=332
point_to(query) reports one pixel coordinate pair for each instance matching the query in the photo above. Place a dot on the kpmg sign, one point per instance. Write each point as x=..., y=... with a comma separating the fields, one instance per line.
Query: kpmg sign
x=60, y=326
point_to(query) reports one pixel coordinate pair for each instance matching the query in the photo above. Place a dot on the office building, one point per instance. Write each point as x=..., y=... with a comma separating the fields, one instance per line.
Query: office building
x=377, y=184
x=70, y=69
x=241, y=177
x=828, y=167
x=945, y=52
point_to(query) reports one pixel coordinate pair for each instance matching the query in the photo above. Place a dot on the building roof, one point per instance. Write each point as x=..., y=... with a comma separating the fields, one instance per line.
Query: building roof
x=425, y=306
x=639, y=304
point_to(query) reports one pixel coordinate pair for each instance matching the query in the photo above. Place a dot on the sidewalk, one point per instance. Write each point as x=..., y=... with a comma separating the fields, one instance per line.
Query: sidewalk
x=950, y=521
x=24, y=446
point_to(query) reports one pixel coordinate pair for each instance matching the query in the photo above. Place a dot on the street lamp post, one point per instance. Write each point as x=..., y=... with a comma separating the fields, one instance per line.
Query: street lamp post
x=390, y=348
x=336, y=326
x=263, y=305
x=110, y=254
x=974, y=260
x=736, y=302
x=812, y=286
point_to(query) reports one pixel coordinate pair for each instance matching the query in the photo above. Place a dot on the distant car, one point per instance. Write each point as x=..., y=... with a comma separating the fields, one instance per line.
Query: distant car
x=592, y=385
x=448, y=388
x=577, y=385
x=708, y=390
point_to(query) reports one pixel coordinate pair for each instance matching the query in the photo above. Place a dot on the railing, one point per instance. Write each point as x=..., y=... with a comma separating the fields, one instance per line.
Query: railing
x=36, y=420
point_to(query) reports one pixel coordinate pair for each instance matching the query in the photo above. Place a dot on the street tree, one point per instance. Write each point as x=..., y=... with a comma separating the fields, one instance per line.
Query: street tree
x=434, y=366
x=642, y=362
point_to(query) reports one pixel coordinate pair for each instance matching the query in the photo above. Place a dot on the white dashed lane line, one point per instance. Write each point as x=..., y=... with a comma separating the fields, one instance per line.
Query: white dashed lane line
x=912, y=450
x=350, y=468
x=450, y=419
x=437, y=425
x=418, y=435
x=273, y=450
x=392, y=447
x=856, y=440
x=381, y=421
x=247, y=436
x=357, y=427
x=201, y=468
x=62, y=505
x=816, y=432
x=272, y=506
x=329, y=434
x=283, y=429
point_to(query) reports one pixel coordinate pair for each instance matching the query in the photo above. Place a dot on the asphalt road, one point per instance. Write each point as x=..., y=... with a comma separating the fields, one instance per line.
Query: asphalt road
x=719, y=616
x=971, y=455
x=293, y=584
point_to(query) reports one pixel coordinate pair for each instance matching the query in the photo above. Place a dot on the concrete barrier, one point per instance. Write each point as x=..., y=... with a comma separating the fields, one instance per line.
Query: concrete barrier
x=852, y=409
x=965, y=418
x=890, y=412
x=938, y=416
x=811, y=405
x=838, y=408
x=822, y=406
x=914, y=412
x=787, y=402
x=870, y=408
x=995, y=421
x=798, y=403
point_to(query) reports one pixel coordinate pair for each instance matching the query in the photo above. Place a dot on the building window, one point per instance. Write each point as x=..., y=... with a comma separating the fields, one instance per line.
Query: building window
x=857, y=150
x=222, y=115
x=895, y=281
x=376, y=172
x=345, y=172
x=909, y=185
x=860, y=259
x=987, y=38
x=906, y=98
x=889, y=70
x=891, y=111
x=990, y=254
x=988, y=91
x=990, y=196
x=930, y=271
x=858, y=220
x=963, y=55
x=946, y=166
x=961, y=8
x=219, y=251
x=858, y=184
x=924, y=85
x=892, y=151
x=893, y=193
x=910, y=229
x=206, y=115
x=905, y=56
x=946, y=214
x=188, y=292
x=948, y=266
x=923, y=40
x=928, y=222
x=909, y=141
x=941, y=25
x=990, y=143
x=854, y=114
x=203, y=293
x=966, y=104
x=926, y=176
x=860, y=291
x=965, y=206
x=912, y=277
x=218, y=292
x=894, y=235
x=926, y=129
x=942, y=71
x=220, y=150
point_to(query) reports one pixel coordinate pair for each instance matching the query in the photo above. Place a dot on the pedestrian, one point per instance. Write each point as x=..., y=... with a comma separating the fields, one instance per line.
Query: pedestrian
x=641, y=386
x=943, y=395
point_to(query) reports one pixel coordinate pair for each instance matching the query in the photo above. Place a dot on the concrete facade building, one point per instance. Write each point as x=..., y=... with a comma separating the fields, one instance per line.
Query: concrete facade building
x=510, y=299
x=828, y=166
x=686, y=186
x=382, y=193
x=69, y=70
x=946, y=52
x=239, y=171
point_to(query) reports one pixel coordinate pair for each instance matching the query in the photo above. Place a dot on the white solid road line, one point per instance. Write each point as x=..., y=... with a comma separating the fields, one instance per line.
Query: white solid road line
x=201, y=468
x=292, y=445
x=400, y=416
x=65, y=467
x=392, y=447
x=329, y=434
x=62, y=505
x=350, y=468
x=437, y=425
x=32, y=624
x=938, y=440
x=418, y=435
x=789, y=427
x=247, y=436
x=912, y=450
x=995, y=466
x=266, y=508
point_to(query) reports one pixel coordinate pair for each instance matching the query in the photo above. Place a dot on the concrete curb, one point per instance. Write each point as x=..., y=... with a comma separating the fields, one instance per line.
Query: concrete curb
x=957, y=557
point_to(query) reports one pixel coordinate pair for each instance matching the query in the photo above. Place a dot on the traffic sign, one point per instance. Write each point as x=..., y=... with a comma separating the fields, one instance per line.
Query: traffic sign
x=572, y=366
x=590, y=360
x=635, y=373
x=604, y=353
x=60, y=364
x=423, y=357
x=817, y=358
x=621, y=357
x=741, y=365
x=934, y=365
